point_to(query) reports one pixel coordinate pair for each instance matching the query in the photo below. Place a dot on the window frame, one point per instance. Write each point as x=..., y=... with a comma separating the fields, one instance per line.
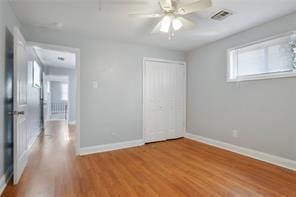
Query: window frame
x=271, y=75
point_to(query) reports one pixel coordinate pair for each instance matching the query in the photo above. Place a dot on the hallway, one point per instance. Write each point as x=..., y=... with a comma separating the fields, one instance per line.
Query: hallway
x=51, y=166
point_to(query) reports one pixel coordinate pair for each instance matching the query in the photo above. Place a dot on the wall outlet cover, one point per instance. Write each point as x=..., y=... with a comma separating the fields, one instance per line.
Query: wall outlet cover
x=95, y=84
x=235, y=133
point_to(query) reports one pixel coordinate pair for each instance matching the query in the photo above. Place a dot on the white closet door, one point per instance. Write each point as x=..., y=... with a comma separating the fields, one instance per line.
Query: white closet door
x=155, y=128
x=163, y=82
x=180, y=100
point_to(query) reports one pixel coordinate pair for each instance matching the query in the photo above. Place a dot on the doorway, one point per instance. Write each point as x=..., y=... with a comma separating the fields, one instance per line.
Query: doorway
x=59, y=84
x=164, y=99
x=28, y=95
x=59, y=97
x=61, y=90
x=56, y=97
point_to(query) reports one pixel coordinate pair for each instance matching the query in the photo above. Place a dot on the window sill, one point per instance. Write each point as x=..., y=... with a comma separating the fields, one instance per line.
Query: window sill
x=264, y=76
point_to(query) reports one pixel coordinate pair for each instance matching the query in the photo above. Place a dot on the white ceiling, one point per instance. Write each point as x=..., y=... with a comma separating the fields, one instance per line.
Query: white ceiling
x=113, y=22
x=51, y=58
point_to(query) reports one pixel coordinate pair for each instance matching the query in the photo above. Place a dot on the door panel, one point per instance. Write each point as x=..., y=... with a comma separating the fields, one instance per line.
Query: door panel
x=20, y=105
x=155, y=128
x=163, y=99
x=8, y=115
x=169, y=99
x=180, y=100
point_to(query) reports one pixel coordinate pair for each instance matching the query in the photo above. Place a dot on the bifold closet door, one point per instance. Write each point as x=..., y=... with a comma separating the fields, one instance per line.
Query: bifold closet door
x=164, y=100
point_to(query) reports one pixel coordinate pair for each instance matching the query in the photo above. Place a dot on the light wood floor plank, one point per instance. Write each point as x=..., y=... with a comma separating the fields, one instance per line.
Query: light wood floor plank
x=172, y=168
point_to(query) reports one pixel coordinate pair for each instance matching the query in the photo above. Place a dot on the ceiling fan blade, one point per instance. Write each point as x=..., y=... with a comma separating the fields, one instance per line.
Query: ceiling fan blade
x=142, y=15
x=187, y=24
x=166, y=5
x=53, y=26
x=194, y=7
x=157, y=27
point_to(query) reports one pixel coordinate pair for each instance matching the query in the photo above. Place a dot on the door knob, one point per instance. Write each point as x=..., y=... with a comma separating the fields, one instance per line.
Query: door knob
x=21, y=113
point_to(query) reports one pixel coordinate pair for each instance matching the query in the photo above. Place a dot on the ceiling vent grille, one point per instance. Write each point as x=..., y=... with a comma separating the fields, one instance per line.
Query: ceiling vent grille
x=221, y=15
x=61, y=58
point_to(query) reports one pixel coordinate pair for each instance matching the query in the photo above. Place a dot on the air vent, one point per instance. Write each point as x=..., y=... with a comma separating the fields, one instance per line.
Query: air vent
x=221, y=15
x=61, y=58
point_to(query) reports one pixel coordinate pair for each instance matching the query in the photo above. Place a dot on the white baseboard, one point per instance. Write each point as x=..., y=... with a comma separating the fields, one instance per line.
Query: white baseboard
x=72, y=122
x=53, y=120
x=110, y=147
x=5, y=179
x=276, y=160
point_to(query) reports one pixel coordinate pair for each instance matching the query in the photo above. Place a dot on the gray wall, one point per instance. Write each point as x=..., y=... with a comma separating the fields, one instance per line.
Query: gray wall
x=262, y=111
x=7, y=21
x=116, y=105
x=33, y=101
x=70, y=73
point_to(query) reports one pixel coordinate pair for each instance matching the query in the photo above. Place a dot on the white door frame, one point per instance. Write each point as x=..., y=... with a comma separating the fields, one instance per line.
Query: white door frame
x=77, y=73
x=145, y=59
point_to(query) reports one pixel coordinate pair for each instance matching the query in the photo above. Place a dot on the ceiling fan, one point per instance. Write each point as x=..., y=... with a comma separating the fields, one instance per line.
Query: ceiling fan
x=172, y=15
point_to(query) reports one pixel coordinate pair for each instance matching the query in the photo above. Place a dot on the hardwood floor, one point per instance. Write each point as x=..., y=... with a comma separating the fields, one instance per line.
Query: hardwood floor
x=172, y=168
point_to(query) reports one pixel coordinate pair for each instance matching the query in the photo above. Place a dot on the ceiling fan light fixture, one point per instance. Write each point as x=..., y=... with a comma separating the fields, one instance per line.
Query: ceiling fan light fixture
x=181, y=11
x=177, y=24
x=165, y=24
x=172, y=15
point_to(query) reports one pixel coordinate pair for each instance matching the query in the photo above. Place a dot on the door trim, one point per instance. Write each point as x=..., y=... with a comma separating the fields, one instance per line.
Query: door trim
x=145, y=59
x=77, y=73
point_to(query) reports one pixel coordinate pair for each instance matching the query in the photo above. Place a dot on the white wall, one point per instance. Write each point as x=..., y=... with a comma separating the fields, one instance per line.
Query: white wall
x=71, y=74
x=116, y=105
x=7, y=21
x=262, y=111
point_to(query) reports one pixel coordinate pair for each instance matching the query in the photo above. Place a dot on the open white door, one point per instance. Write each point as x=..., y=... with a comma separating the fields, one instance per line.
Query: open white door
x=20, y=145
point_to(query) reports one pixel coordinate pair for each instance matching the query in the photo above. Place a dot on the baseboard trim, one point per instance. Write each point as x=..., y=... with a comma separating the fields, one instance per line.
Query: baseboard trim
x=72, y=122
x=276, y=160
x=110, y=147
x=5, y=179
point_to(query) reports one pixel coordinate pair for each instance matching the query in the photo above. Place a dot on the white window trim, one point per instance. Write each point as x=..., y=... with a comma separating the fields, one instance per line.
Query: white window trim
x=275, y=75
x=264, y=76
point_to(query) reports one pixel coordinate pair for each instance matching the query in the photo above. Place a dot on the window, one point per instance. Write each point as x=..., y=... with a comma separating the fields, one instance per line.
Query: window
x=48, y=87
x=270, y=58
x=64, y=88
x=36, y=75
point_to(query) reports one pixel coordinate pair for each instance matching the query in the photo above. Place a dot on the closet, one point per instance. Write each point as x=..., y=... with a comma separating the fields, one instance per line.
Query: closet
x=164, y=99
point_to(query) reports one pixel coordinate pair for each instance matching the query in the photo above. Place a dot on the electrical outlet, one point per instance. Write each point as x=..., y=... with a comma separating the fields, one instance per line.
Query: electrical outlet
x=113, y=133
x=95, y=84
x=235, y=133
